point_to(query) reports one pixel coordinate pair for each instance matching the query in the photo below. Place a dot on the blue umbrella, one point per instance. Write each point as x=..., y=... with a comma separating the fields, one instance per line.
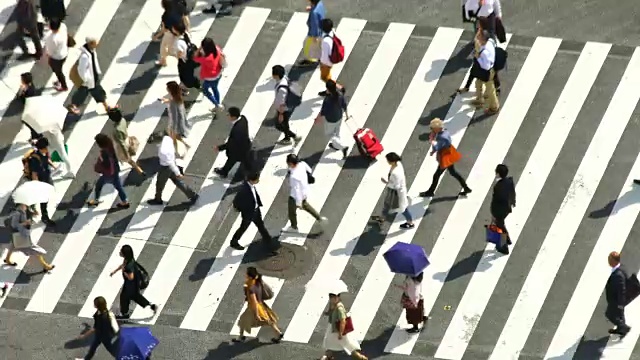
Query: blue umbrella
x=136, y=343
x=407, y=259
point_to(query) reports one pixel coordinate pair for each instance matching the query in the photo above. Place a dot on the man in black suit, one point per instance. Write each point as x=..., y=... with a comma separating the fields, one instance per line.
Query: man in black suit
x=248, y=203
x=616, y=294
x=502, y=201
x=238, y=145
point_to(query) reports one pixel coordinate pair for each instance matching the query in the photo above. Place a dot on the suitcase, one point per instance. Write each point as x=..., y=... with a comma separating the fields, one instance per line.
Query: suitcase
x=367, y=142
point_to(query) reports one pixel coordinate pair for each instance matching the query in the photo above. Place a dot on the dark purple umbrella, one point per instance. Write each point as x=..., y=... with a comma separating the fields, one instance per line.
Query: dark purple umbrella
x=407, y=259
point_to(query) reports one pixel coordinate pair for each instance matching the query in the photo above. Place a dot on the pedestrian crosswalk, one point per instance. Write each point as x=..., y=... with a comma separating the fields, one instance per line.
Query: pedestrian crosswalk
x=567, y=129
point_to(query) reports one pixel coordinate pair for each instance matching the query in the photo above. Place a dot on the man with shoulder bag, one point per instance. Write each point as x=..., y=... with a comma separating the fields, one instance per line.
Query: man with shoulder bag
x=484, y=72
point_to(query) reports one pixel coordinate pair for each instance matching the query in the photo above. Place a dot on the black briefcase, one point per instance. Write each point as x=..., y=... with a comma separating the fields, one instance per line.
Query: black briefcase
x=632, y=289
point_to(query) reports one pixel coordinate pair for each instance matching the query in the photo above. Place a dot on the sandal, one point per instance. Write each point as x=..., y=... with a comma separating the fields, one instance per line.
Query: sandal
x=10, y=263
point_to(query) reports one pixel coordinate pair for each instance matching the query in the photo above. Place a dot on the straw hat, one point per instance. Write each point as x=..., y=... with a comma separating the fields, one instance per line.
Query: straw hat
x=436, y=124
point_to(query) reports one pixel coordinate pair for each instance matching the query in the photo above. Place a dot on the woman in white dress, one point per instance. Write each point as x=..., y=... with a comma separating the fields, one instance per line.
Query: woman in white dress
x=334, y=338
x=395, y=200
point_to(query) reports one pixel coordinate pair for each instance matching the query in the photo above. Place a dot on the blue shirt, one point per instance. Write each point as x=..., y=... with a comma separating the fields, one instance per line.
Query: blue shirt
x=443, y=141
x=316, y=14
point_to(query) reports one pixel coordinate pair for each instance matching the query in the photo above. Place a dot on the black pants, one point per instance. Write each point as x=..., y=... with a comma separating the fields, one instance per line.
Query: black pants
x=44, y=212
x=165, y=174
x=109, y=344
x=56, y=67
x=17, y=38
x=284, y=126
x=128, y=295
x=452, y=172
x=256, y=218
x=246, y=163
x=499, y=222
x=34, y=134
x=616, y=316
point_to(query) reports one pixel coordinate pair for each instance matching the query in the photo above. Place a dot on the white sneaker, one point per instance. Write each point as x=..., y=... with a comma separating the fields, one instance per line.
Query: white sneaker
x=290, y=230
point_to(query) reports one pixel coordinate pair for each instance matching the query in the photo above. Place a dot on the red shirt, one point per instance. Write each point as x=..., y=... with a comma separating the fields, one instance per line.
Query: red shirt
x=209, y=65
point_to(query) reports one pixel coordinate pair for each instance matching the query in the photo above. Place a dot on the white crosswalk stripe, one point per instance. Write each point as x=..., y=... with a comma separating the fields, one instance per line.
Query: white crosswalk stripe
x=566, y=128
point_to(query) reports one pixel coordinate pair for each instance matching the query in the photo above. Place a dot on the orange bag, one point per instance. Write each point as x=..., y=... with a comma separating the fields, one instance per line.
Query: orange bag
x=449, y=156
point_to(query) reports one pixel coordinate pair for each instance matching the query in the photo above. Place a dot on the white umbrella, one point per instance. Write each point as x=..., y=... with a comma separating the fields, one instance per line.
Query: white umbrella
x=43, y=113
x=329, y=286
x=33, y=192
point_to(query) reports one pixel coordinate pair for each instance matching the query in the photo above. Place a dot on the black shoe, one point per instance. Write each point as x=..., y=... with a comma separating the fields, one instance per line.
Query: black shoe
x=503, y=250
x=235, y=245
x=123, y=317
x=276, y=340
x=4, y=290
x=211, y=10
x=239, y=339
x=465, y=192
x=194, y=199
x=322, y=93
x=637, y=182
x=345, y=152
x=413, y=330
x=154, y=308
x=48, y=222
x=509, y=242
x=155, y=202
x=225, y=10
x=407, y=226
x=428, y=193
x=220, y=173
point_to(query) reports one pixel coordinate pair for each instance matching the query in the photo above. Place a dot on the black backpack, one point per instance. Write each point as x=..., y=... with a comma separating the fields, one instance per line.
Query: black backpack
x=143, y=276
x=293, y=99
x=191, y=47
x=501, y=59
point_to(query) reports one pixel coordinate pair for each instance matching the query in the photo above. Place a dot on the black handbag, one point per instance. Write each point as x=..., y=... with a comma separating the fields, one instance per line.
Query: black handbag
x=310, y=178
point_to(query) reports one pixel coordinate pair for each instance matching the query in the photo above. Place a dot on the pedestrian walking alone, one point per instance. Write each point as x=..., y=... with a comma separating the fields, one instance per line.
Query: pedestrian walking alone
x=105, y=329
x=446, y=155
x=247, y=202
x=27, y=25
x=21, y=224
x=413, y=302
x=179, y=126
x=88, y=74
x=283, y=111
x=39, y=169
x=212, y=61
x=108, y=167
x=334, y=111
x=503, y=201
x=53, y=9
x=238, y=146
x=326, y=50
x=169, y=170
x=125, y=146
x=335, y=338
x=171, y=16
x=396, y=200
x=131, y=291
x=27, y=89
x=616, y=295
x=56, y=49
x=313, y=40
x=257, y=314
x=299, y=175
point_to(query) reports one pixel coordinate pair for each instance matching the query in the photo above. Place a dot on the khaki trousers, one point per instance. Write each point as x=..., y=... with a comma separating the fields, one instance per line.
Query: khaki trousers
x=488, y=88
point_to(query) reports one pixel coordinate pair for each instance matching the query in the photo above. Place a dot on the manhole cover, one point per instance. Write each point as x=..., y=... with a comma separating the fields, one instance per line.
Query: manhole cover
x=290, y=261
x=283, y=260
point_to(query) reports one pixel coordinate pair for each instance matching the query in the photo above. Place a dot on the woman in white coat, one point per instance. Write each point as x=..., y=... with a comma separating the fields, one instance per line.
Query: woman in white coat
x=395, y=197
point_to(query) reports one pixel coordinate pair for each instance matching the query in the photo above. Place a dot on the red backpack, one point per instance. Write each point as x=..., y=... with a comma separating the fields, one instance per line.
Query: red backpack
x=337, y=50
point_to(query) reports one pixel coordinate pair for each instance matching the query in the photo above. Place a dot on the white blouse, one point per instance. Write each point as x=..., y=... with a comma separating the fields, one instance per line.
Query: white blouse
x=489, y=7
x=398, y=182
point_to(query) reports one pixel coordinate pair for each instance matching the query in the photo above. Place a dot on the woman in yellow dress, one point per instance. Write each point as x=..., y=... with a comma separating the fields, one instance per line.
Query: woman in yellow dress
x=257, y=314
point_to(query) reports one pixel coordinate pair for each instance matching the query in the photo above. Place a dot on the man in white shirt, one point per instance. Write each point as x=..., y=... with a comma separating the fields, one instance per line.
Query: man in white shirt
x=170, y=170
x=488, y=10
x=299, y=175
x=325, y=53
x=484, y=78
x=55, y=45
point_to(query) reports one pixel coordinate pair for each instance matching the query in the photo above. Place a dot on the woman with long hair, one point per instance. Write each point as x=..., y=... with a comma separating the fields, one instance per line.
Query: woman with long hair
x=105, y=329
x=108, y=167
x=211, y=60
x=179, y=125
x=131, y=273
x=258, y=313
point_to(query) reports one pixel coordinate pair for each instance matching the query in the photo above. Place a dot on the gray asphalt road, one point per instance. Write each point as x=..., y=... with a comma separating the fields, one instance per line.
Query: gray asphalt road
x=19, y=327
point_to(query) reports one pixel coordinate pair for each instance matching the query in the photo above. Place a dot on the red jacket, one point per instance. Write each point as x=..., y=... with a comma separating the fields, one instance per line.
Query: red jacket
x=210, y=66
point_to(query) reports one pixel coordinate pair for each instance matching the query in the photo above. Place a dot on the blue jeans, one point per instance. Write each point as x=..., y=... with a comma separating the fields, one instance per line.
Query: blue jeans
x=210, y=89
x=113, y=180
x=407, y=215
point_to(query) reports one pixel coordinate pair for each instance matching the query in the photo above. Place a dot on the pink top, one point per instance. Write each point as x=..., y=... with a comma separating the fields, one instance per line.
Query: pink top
x=210, y=66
